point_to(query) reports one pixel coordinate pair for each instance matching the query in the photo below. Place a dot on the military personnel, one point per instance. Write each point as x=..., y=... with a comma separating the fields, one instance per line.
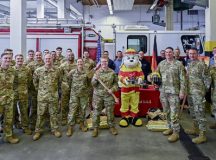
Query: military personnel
x=60, y=58
x=78, y=80
x=32, y=92
x=7, y=78
x=10, y=51
x=47, y=81
x=65, y=68
x=30, y=58
x=102, y=97
x=198, y=83
x=21, y=93
x=173, y=89
x=55, y=62
x=213, y=92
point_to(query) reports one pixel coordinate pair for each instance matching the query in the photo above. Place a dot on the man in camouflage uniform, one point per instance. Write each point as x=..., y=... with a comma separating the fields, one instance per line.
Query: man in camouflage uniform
x=47, y=81
x=59, y=57
x=198, y=83
x=78, y=80
x=65, y=68
x=32, y=92
x=10, y=51
x=21, y=93
x=7, y=78
x=103, y=98
x=173, y=89
x=30, y=58
x=55, y=62
x=89, y=64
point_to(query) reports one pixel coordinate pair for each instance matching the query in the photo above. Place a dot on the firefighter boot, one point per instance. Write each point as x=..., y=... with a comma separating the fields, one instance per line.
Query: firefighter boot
x=200, y=139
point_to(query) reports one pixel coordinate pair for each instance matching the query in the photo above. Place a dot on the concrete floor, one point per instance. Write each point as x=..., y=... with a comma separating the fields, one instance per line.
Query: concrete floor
x=131, y=144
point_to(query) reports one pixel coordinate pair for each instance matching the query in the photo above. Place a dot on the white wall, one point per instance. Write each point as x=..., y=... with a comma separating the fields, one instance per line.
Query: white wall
x=103, y=21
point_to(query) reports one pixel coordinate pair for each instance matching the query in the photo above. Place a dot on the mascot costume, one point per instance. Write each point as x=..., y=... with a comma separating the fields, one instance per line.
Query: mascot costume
x=130, y=78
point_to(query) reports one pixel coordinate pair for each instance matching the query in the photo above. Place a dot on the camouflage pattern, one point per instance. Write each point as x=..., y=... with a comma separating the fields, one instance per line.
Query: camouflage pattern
x=21, y=94
x=47, y=82
x=213, y=89
x=33, y=93
x=78, y=96
x=56, y=63
x=7, y=78
x=89, y=64
x=65, y=68
x=173, y=83
x=28, y=61
x=13, y=62
x=199, y=81
x=101, y=97
x=61, y=59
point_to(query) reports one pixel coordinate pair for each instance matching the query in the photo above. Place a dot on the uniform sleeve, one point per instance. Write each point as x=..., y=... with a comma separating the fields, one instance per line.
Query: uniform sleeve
x=94, y=82
x=183, y=81
x=206, y=77
x=29, y=77
x=36, y=79
x=114, y=88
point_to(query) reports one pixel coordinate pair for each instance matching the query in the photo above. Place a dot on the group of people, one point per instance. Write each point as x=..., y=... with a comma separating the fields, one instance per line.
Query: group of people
x=40, y=89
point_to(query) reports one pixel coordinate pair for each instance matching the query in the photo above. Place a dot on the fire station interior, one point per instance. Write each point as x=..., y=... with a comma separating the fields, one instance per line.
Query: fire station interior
x=113, y=25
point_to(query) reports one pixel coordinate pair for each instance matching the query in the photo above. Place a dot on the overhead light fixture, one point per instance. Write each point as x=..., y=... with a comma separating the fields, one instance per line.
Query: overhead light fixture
x=110, y=7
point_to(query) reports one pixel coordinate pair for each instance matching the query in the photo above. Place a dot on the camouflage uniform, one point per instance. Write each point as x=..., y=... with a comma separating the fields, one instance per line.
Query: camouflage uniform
x=56, y=63
x=46, y=82
x=21, y=94
x=61, y=59
x=33, y=93
x=101, y=97
x=13, y=63
x=28, y=61
x=198, y=83
x=65, y=68
x=213, y=89
x=173, y=83
x=78, y=95
x=7, y=79
x=89, y=64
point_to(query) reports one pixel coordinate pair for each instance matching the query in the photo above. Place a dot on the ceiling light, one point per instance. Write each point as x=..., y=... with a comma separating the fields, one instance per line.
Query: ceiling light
x=110, y=6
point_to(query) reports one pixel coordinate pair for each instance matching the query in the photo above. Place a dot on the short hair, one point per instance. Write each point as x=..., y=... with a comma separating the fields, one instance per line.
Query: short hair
x=47, y=54
x=8, y=50
x=17, y=55
x=214, y=47
x=162, y=51
x=31, y=51
x=105, y=52
x=169, y=48
x=46, y=50
x=79, y=59
x=59, y=48
x=194, y=48
x=69, y=49
x=119, y=51
x=5, y=53
x=53, y=52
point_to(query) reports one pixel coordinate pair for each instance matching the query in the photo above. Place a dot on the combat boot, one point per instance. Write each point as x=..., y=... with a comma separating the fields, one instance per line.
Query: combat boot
x=69, y=131
x=27, y=131
x=95, y=132
x=174, y=137
x=212, y=126
x=12, y=140
x=82, y=127
x=36, y=136
x=200, y=139
x=113, y=131
x=194, y=130
x=57, y=133
x=167, y=132
x=64, y=122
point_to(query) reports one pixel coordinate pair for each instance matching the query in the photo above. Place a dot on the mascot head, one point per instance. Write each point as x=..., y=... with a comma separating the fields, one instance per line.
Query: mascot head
x=131, y=58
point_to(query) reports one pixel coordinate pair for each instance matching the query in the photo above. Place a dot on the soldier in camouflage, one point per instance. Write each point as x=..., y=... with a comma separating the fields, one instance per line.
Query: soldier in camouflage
x=30, y=58
x=7, y=79
x=65, y=68
x=103, y=98
x=10, y=51
x=32, y=92
x=199, y=81
x=47, y=81
x=173, y=89
x=55, y=62
x=59, y=57
x=78, y=80
x=21, y=93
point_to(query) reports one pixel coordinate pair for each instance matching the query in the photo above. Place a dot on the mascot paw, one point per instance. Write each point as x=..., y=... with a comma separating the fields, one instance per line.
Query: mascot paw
x=137, y=122
x=124, y=122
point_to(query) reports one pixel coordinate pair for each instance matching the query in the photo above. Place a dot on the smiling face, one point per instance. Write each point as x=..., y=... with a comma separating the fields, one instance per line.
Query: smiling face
x=193, y=54
x=131, y=61
x=19, y=60
x=169, y=54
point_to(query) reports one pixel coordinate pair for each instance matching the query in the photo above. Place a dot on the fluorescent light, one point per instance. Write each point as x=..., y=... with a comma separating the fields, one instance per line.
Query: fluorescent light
x=110, y=6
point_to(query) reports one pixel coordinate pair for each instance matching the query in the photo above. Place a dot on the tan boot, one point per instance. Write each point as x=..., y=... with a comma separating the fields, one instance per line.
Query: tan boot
x=64, y=122
x=95, y=132
x=174, y=137
x=113, y=131
x=57, y=133
x=12, y=140
x=82, y=127
x=27, y=131
x=200, y=139
x=69, y=131
x=167, y=132
x=194, y=130
x=212, y=126
x=37, y=136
